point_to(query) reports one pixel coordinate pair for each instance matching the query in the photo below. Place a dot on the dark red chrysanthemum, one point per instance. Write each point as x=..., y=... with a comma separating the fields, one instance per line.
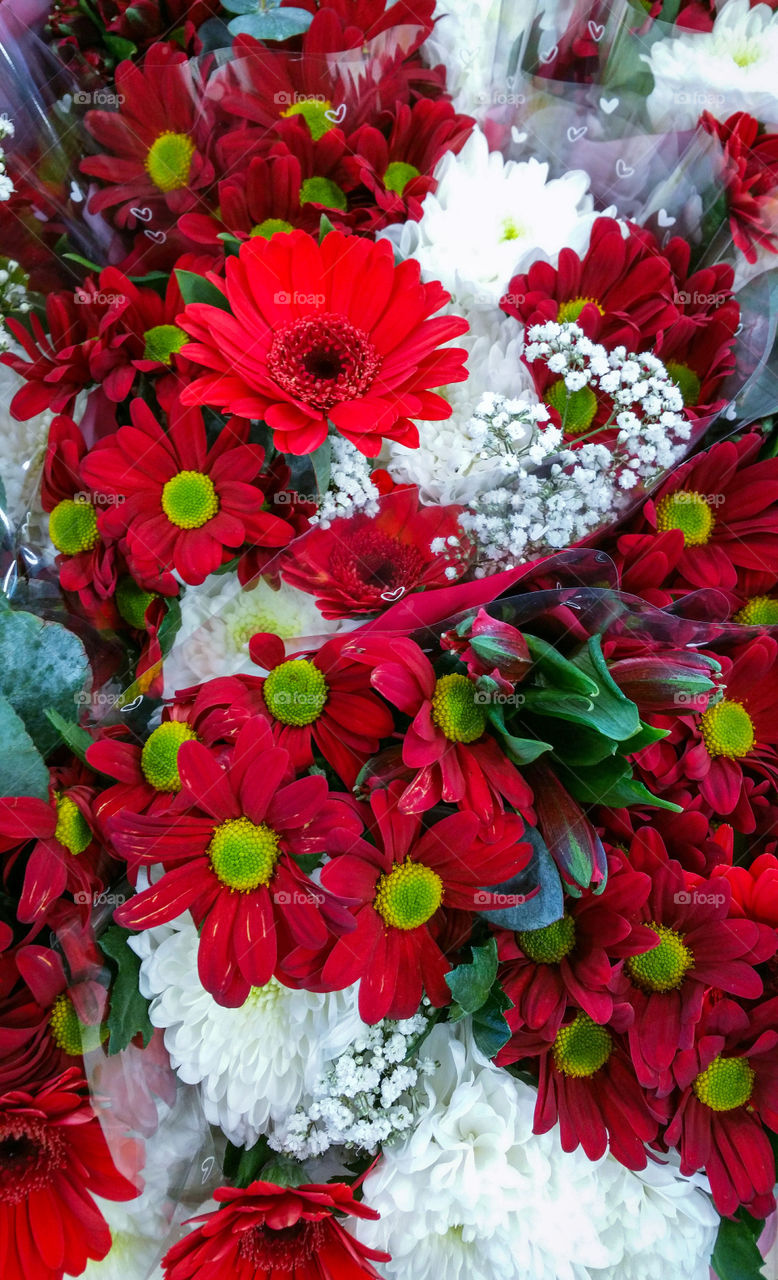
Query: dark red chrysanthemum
x=266, y=1231
x=403, y=888
x=363, y=564
x=230, y=860
x=54, y=1160
x=314, y=334
x=176, y=504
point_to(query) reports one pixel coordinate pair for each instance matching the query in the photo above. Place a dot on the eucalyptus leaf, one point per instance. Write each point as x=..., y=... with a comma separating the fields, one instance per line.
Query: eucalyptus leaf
x=278, y=24
x=42, y=666
x=544, y=907
x=22, y=771
x=248, y=6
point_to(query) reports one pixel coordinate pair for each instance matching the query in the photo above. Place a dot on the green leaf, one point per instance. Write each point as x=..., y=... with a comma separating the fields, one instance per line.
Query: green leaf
x=78, y=739
x=242, y=1164
x=169, y=626
x=22, y=771
x=82, y=262
x=645, y=736
x=196, y=288
x=119, y=47
x=543, y=907
x=325, y=227
x=470, y=984
x=736, y=1255
x=519, y=750
x=129, y=1011
x=321, y=461
x=241, y=6
x=557, y=670
x=611, y=783
x=42, y=666
x=283, y=1171
x=490, y=1026
x=278, y=24
x=615, y=714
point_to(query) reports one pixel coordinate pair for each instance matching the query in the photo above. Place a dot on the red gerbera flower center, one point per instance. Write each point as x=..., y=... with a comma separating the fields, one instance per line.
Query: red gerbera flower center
x=663, y=968
x=323, y=359
x=688, y=511
x=550, y=944
x=72, y=829
x=73, y=526
x=409, y=895
x=727, y=730
x=169, y=161
x=159, y=757
x=582, y=1048
x=284, y=1250
x=243, y=854
x=189, y=499
x=759, y=611
x=368, y=561
x=455, y=710
x=295, y=692
x=31, y=1152
x=727, y=1083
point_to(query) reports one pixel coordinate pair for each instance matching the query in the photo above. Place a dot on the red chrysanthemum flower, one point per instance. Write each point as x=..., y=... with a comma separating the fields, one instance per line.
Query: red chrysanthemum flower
x=53, y=1160
x=176, y=503
x=314, y=334
x=321, y=699
x=363, y=564
x=619, y=292
x=266, y=1231
x=725, y=502
x=647, y=564
x=587, y=1086
x=569, y=962
x=698, y=946
x=750, y=175
x=230, y=860
x=403, y=888
x=147, y=777
x=447, y=743
x=729, y=1093
x=155, y=146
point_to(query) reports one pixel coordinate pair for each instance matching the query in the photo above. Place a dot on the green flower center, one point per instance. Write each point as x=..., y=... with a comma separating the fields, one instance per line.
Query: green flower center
x=727, y=1083
x=271, y=227
x=189, y=500
x=727, y=730
x=455, y=711
x=73, y=526
x=663, y=968
x=409, y=895
x=759, y=611
x=398, y=175
x=313, y=112
x=159, y=757
x=169, y=161
x=69, y=1033
x=569, y=311
x=132, y=602
x=323, y=191
x=686, y=381
x=689, y=512
x=582, y=1048
x=295, y=692
x=243, y=855
x=72, y=829
x=550, y=944
x=511, y=230
x=746, y=52
x=163, y=342
x=577, y=409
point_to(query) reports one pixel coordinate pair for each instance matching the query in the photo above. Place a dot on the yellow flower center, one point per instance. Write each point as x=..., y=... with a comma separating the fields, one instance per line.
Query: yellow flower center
x=582, y=1048
x=550, y=944
x=159, y=757
x=189, y=500
x=689, y=512
x=759, y=611
x=728, y=730
x=569, y=311
x=65, y=1026
x=686, y=381
x=295, y=692
x=323, y=191
x=512, y=230
x=409, y=895
x=132, y=602
x=313, y=112
x=727, y=1083
x=163, y=342
x=455, y=711
x=72, y=829
x=243, y=855
x=73, y=526
x=577, y=409
x=663, y=968
x=398, y=175
x=169, y=161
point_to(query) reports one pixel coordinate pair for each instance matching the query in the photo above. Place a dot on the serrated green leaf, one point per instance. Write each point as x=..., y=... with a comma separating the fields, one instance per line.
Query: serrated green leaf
x=470, y=984
x=490, y=1026
x=42, y=666
x=128, y=1012
x=196, y=288
x=736, y=1255
x=22, y=770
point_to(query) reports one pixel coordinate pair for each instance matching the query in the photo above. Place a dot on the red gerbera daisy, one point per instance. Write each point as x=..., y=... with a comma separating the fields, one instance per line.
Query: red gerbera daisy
x=405, y=886
x=314, y=334
x=619, y=292
x=363, y=564
x=231, y=860
x=698, y=946
x=266, y=1231
x=156, y=145
x=729, y=1084
x=455, y=758
x=54, y=1160
x=176, y=503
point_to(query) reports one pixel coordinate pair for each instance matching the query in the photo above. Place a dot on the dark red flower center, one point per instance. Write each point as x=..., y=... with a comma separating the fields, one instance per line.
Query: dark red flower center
x=323, y=359
x=374, y=566
x=284, y=1250
x=31, y=1152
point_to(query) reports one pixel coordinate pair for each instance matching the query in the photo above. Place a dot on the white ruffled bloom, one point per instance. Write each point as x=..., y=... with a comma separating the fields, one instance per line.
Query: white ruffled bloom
x=254, y=1064
x=487, y=217
x=218, y=620
x=728, y=69
x=464, y=40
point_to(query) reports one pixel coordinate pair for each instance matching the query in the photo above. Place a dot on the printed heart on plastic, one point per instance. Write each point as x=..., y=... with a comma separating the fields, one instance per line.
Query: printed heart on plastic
x=159, y=237
x=609, y=105
x=337, y=117
x=549, y=55
x=596, y=30
x=391, y=596
x=576, y=134
x=665, y=219
x=517, y=136
x=623, y=170
x=143, y=215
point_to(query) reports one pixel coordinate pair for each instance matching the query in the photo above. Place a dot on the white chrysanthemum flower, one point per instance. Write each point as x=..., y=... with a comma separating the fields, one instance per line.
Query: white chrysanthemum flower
x=464, y=40
x=487, y=217
x=218, y=620
x=473, y=1194
x=728, y=69
x=255, y=1063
